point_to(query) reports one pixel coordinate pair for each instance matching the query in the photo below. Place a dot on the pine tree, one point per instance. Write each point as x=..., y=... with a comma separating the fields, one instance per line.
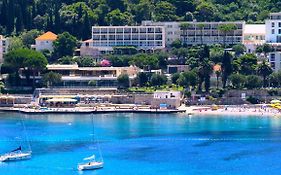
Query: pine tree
x=11, y=16
x=87, y=27
x=19, y=20
x=3, y=16
x=57, y=27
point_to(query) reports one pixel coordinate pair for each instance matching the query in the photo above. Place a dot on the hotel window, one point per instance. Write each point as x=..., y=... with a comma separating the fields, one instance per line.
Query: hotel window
x=127, y=30
x=111, y=30
x=143, y=30
x=279, y=24
x=119, y=30
x=272, y=31
x=272, y=57
x=170, y=26
x=279, y=31
x=272, y=65
x=135, y=30
x=95, y=30
x=272, y=24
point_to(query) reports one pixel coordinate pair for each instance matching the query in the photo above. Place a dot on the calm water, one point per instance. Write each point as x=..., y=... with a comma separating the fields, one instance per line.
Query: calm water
x=136, y=144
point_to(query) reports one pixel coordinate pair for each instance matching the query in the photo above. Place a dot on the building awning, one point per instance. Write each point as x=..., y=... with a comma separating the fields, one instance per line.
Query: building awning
x=61, y=100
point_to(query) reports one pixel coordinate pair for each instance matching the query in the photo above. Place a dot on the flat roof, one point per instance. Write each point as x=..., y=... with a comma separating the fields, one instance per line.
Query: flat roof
x=76, y=67
x=258, y=29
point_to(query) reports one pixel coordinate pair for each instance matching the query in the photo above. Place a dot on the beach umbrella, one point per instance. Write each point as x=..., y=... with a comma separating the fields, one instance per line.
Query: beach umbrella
x=275, y=101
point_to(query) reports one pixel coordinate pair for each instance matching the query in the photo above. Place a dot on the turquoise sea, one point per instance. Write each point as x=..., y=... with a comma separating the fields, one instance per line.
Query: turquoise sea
x=137, y=144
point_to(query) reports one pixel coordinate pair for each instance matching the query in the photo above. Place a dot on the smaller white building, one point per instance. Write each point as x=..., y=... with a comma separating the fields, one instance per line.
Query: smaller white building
x=45, y=42
x=3, y=47
x=273, y=28
x=167, y=95
x=254, y=36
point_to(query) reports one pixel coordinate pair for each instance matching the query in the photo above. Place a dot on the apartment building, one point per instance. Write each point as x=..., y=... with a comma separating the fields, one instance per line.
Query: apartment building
x=273, y=37
x=195, y=33
x=3, y=47
x=273, y=28
x=146, y=38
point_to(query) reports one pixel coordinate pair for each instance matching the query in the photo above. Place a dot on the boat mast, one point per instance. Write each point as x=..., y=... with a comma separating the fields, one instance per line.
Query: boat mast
x=98, y=146
x=25, y=134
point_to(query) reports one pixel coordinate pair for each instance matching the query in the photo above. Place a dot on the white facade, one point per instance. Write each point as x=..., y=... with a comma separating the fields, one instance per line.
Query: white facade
x=172, y=30
x=45, y=42
x=275, y=60
x=105, y=38
x=254, y=36
x=195, y=34
x=3, y=47
x=44, y=45
x=273, y=28
x=167, y=95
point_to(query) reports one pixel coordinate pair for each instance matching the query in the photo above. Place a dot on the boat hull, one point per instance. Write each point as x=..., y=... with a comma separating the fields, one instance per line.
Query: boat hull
x=90, y=166
x=15, y=157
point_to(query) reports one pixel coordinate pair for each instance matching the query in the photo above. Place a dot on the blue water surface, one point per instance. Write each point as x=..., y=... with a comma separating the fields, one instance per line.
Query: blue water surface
x=136, y=144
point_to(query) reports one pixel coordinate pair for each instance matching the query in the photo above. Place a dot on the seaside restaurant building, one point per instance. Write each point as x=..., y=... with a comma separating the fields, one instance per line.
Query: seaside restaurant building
x=73, y=75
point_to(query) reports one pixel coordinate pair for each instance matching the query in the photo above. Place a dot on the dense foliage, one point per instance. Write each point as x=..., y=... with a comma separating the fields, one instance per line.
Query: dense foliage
x=77, y=17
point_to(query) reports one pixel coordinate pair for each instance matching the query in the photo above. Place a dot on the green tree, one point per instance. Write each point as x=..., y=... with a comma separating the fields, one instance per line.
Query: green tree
x=142, y=79
x=28, y=37
x=164, y=11
x=239, y=49
x=237, y=80
x=247, y=64
x=226, y=67
x=253, y=81
x=175, y=77
x=264, y=70
x=117, y=18
x=123, y=81
x=51, y=79
x=205, y=11
x=64, y=45
x=158, y=80
x=15, y=43
x=66, y=60
x=36, y=62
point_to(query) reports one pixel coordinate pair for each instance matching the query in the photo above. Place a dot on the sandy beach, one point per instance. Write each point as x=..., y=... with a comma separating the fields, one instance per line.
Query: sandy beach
x=254, y=110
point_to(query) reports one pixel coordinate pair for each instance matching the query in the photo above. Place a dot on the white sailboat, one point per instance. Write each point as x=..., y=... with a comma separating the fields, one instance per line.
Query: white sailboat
x=18, y=153
x=91, y=163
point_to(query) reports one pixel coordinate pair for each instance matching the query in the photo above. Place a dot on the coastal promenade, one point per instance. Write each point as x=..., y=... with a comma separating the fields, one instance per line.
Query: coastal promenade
x=88, y=110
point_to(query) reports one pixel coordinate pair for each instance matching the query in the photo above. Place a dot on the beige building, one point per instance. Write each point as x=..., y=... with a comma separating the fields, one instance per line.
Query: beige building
x=254, y=36
x=73, y=75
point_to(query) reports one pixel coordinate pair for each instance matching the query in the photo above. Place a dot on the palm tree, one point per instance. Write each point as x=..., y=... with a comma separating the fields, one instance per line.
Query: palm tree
x=225, y=29
x=264, y=70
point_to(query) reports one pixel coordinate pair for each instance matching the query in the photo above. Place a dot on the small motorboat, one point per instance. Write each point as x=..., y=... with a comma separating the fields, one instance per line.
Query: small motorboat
x=15, y=155
x=90, y=166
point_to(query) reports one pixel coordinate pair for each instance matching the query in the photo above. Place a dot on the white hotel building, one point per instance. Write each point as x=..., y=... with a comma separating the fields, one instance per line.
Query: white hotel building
x=273, y=37
x=200, y=32
x=105, y=38
x=3, y=47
